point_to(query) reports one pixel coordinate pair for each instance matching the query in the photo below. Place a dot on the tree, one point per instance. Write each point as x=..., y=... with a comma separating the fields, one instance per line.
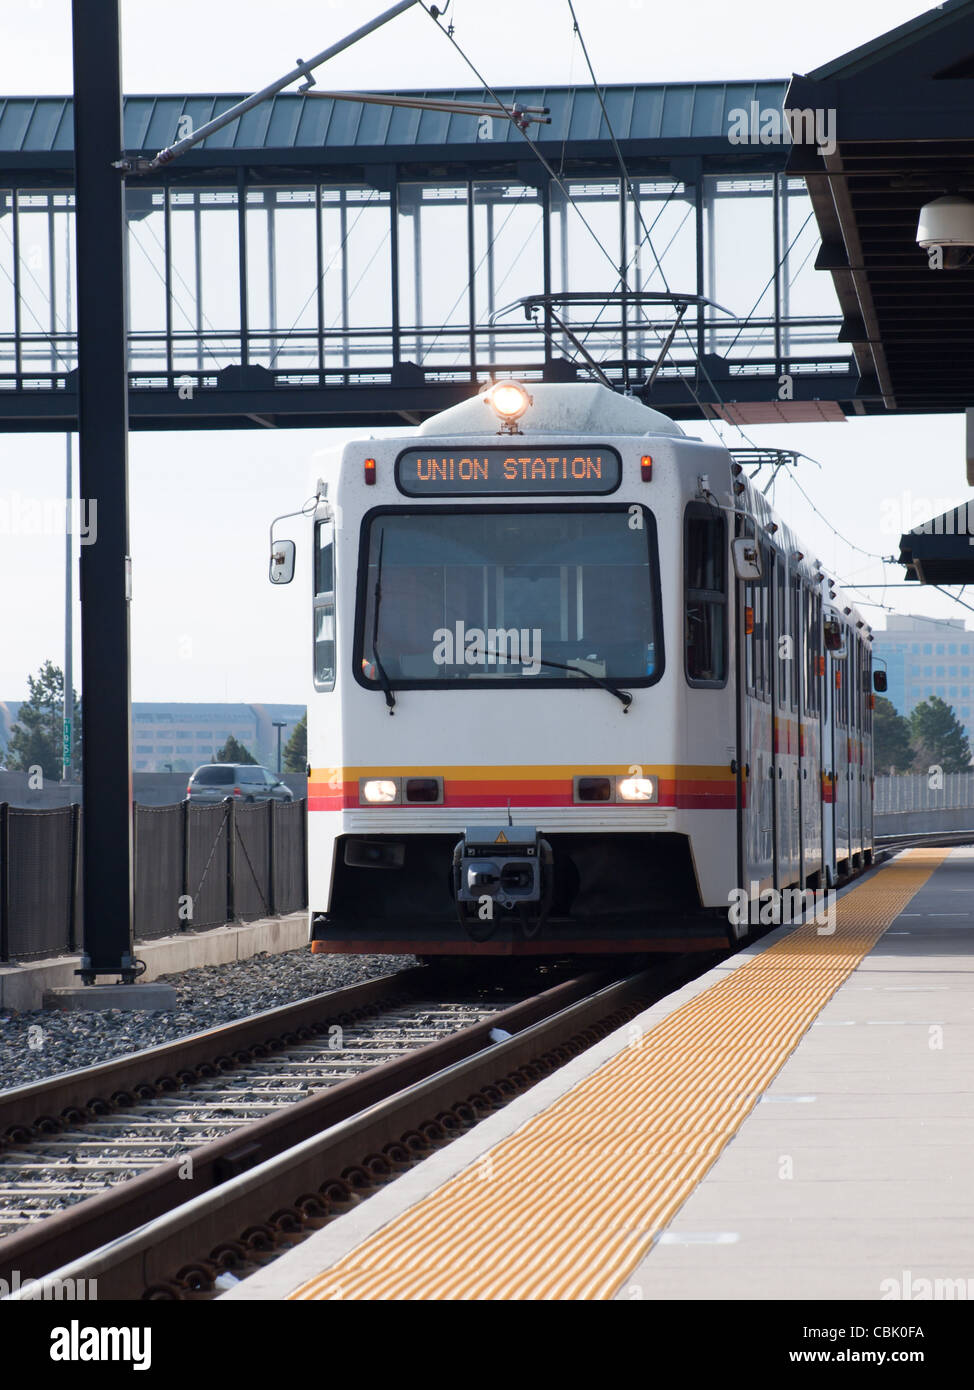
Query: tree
x=891, y=738
x=36, y=738
x=296, y=748
x=234, y=752
x=938, y=737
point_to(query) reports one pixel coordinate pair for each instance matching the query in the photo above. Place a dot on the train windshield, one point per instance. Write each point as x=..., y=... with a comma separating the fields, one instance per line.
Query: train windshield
x=495, y=594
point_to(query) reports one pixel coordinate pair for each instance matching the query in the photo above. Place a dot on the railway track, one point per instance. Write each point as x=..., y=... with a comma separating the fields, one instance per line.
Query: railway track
x=58, y=1164
x=925, y=839
x=88, y=1155
x=195, y=1219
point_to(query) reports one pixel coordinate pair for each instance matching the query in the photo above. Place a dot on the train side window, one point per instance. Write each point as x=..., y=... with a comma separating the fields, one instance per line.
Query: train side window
x=705, y=595
x=812, y=652
x=324, y=606
x=842, y=693
x=867, y=686
x=763, y=633
x=781, y=626
x=795, y=630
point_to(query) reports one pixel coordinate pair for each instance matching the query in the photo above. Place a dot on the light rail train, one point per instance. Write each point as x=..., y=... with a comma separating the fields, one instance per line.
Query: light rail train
x=574, y=684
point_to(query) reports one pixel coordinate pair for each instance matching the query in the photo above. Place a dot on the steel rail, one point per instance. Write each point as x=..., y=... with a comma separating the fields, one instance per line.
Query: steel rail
x=90, y=1090
x=68, y=1234
x=292, y=1193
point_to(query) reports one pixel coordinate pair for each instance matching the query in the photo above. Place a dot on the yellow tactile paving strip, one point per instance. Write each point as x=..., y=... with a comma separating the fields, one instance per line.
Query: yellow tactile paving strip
x=568, y=1205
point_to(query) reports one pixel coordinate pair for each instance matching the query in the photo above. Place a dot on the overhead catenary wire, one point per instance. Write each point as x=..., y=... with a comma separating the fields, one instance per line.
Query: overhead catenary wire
x=649, y=241
x=617, y=270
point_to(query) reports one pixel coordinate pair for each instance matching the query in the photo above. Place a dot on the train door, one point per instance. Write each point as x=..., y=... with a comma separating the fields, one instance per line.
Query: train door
x=809, y=737
x=755, y=813
x=782, y=775
x=793, y=771
x=855, y=749
x=868, y=778
x=841, y=762
x=828, y=765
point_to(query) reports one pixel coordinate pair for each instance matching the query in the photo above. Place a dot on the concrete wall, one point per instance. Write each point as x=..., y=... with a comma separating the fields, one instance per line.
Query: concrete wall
x=149, y=789
x=22, y=987
x=923, y=822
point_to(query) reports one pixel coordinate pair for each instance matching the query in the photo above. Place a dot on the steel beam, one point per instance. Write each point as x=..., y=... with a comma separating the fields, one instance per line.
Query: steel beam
x=103, y=415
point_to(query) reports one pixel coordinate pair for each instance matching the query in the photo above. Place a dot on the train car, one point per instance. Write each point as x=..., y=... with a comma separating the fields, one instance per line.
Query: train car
x=574, y=689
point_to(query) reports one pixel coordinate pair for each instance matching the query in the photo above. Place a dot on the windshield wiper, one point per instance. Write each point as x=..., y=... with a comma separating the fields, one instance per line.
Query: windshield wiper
x=624, y=696
x=379, y=668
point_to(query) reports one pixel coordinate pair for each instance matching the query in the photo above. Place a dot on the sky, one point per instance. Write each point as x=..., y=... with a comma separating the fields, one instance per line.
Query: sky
x=205, y=623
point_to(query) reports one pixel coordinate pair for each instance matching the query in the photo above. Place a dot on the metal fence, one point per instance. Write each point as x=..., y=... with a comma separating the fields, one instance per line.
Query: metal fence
x=195, y=867
x=921, y=791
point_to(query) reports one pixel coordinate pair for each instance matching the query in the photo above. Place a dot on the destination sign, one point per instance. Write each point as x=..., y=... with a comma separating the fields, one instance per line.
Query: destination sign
x=504, y=471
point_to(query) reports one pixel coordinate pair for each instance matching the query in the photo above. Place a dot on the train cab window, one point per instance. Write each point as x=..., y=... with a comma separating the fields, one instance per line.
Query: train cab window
x=324, y=606
x=705, y=595
x=492, y=594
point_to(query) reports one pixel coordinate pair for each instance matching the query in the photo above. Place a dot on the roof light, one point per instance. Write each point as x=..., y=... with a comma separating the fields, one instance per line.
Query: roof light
x=508, y=400
x=370, y=472
x=646, y=468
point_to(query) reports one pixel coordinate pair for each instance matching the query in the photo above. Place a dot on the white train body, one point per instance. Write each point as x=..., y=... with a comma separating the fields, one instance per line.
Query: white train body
x=571, y=728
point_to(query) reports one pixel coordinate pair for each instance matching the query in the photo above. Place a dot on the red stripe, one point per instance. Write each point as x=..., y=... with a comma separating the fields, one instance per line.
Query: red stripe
x=685, y=794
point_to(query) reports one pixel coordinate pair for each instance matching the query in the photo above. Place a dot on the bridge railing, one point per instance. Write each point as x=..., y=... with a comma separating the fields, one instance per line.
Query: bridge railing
x=195, y=867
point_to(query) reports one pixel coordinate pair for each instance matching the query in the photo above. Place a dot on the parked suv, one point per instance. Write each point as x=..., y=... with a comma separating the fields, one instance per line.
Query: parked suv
x=216, y=781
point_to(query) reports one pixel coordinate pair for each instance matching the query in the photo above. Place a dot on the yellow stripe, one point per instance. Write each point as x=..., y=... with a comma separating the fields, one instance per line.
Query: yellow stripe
x=566, y=1206
x=522, y=771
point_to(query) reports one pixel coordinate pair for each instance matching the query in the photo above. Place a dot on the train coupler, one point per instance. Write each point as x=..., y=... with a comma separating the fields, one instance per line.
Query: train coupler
x=502, y=871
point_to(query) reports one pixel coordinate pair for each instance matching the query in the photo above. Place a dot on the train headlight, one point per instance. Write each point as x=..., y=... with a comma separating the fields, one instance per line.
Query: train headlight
x=508, y=400
x=379, y=790
x=637, y=789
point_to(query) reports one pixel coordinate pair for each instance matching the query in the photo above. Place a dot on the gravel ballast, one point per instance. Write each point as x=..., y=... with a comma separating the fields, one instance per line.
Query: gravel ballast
x=43, y=1042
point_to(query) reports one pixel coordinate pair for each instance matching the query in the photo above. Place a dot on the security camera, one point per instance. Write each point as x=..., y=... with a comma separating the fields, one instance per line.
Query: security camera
x=947, y=225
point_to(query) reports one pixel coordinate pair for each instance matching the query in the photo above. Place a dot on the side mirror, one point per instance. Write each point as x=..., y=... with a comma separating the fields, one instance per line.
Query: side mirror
x=879, y=681
x=832, y=630
x=282, y=562
x=747, y=558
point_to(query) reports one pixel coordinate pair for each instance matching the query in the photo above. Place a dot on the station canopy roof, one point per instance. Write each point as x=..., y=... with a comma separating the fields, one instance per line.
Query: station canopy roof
x=650, y=116
x=941, y=551
x=901, y=114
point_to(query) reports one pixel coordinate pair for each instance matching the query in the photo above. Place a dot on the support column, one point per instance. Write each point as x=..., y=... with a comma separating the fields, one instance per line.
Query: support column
x=105, y=565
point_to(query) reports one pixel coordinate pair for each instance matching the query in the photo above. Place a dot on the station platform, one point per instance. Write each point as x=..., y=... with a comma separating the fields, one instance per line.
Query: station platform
x=797, y=1123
